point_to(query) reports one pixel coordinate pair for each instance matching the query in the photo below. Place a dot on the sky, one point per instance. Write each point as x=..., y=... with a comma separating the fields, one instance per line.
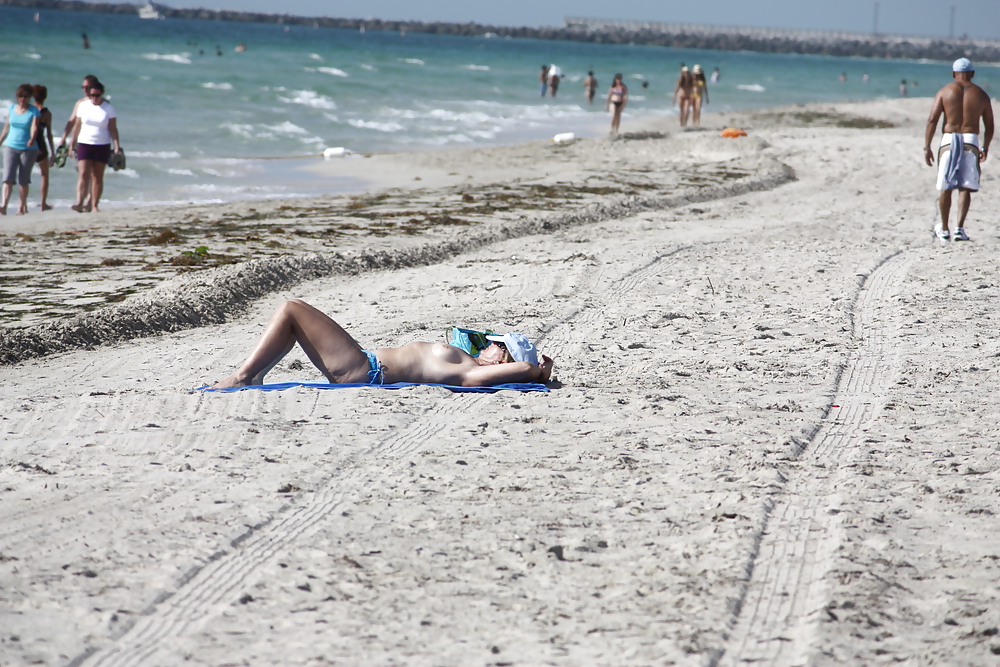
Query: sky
x=976, y=18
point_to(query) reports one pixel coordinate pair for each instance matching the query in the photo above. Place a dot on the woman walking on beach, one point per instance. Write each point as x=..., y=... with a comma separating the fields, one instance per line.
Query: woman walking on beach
x=618, y=100
x=342, y=360
x=63, y=151
x=19, y=149
x=43, y=139
x=698, y=92
x=684, y=94
x=95, y=131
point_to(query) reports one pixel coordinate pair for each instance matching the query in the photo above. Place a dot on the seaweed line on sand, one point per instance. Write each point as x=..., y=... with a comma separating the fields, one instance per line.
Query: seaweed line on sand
x=212, y=297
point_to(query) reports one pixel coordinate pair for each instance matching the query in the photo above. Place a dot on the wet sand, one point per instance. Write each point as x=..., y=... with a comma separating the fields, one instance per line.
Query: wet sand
x=771, y=434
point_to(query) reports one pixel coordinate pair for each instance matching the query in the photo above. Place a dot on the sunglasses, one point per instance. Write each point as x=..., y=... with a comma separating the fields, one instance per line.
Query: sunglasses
x=95, y=95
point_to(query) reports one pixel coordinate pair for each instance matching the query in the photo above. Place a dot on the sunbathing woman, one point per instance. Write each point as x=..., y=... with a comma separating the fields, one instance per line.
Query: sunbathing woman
x=341, y=359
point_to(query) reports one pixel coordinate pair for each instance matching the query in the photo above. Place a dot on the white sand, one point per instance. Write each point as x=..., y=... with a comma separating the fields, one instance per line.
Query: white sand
x=685, y=495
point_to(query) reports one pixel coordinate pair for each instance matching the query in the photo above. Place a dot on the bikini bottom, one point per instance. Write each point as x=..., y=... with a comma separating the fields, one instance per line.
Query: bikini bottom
x=377, y=373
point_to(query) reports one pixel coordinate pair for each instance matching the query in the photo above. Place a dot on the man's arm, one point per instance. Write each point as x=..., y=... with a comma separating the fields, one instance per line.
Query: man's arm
x=987, y=129
x=70, y=123
x=936, y=110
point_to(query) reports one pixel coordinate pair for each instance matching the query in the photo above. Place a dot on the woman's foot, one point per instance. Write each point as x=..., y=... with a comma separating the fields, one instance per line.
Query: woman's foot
x=46, y=207
x=78, y=208
x=21, y=211
x=231, y=381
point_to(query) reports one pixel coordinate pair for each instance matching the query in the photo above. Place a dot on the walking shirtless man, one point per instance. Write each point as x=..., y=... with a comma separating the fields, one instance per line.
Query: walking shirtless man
x=963, y=103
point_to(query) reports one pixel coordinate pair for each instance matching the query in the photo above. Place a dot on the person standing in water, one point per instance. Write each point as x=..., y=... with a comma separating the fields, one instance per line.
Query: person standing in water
x=616, y=101
x=590, y=86
x=699, y=94
x=963, y=104
x=19, y=148
x=684, y=94
x=544, y=79
x=43, y=139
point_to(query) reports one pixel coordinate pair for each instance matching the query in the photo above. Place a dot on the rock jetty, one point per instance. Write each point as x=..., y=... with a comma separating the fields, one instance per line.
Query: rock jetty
x=681, y=36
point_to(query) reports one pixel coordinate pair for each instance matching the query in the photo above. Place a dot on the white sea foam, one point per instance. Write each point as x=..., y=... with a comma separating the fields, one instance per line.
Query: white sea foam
x=637, y=98
x=217, y=86
x=637, y=76
x=127, y=173
x=331, y=117
x=478, y=68
x=182, y=58
x=374, y=125
x=367, y=67
x=287, y=127
x=33, y=56
x=180, y=172
x=309, y=98
x=4, y=106
x=159, y=155
x=240, y=129
x=332, y=71
x=413, y=61
x=753, y=87
x=316, y=56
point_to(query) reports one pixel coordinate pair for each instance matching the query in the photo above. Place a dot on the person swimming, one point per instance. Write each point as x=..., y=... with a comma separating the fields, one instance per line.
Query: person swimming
x=342, y=360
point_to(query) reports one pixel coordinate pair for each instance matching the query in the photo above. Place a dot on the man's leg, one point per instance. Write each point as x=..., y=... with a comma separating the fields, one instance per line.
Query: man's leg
x=944, y=204
x=964, y=201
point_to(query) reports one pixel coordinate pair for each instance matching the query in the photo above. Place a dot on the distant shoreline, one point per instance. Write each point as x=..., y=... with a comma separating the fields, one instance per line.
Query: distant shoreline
x=676, y=36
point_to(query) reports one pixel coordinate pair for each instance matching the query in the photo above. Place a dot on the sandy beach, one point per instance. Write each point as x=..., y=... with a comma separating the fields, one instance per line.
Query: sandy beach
x=770, y=439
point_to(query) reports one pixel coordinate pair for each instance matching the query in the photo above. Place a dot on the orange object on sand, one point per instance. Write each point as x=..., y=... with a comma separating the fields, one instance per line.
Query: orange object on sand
x=733, y=132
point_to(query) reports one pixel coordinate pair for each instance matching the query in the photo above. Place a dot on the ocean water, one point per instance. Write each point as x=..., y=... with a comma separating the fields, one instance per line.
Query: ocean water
x=202, y=127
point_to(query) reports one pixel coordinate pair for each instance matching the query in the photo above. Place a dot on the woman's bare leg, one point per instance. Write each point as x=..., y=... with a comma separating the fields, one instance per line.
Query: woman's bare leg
x=82, y=183
x=696, y=113
x=328, y=346
x=97, y=185
x=22, y=191
x=44, y=166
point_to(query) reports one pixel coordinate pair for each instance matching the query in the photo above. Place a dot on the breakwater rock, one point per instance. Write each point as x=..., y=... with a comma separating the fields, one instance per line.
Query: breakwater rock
x=596, y=31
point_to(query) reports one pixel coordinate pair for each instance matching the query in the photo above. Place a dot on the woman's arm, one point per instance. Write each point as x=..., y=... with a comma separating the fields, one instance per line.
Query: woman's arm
x=6, y=129
x=516, y=371
x=76, y=132
x=624, y=96
x=48, y=129
x=113, y=131
x=32, y=130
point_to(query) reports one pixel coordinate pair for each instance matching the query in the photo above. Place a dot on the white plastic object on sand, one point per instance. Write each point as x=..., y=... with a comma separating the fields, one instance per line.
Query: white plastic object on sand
x=564, y=138
x=339, y=151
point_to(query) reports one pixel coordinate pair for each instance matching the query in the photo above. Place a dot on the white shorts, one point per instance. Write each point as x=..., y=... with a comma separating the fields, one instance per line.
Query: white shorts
x=968, y=168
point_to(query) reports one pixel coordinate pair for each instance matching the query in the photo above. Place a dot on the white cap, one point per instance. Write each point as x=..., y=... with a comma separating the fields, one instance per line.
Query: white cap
x=962, y=65
x=520, y=348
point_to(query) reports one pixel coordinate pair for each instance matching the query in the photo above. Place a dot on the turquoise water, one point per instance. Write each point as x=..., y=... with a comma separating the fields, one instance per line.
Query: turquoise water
x=193, y=124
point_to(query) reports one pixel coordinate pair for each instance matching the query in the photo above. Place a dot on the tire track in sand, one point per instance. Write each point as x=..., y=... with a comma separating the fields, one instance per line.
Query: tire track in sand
x=206, y=591
x=779, y=612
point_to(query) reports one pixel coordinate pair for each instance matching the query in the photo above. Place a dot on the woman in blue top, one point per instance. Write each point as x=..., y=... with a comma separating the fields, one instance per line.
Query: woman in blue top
x=19, y=147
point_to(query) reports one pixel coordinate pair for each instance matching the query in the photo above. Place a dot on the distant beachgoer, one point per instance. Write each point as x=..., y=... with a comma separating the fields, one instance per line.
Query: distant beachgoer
x=86, y=41
x=342, y=360
x=645, y=85
x=963, y=104
x=240, y=48
x=865, y=77
x=684, y=94
x=19, y=149
x=902, y=88
x=555, y=76
x=95, y=132
x=715, y=75
x=698, y=92
x=43, y=139
x=590, y=86
x=843, y=77
x=617, y=101
x=544, y=79
x=218, y=49
x=88, y=81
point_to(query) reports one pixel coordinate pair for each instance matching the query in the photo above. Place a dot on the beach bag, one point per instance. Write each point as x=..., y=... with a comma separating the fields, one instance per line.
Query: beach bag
x=471, y=341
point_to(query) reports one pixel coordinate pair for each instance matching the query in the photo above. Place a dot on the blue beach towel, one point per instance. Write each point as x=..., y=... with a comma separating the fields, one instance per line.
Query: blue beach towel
x=281, y=386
